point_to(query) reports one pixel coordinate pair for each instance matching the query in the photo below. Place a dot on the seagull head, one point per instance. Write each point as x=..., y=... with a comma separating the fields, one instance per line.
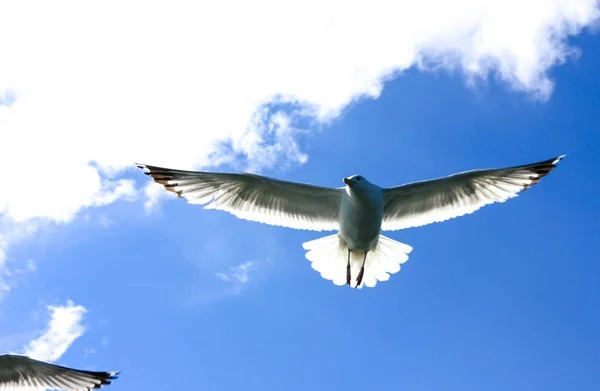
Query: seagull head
x=356, y=182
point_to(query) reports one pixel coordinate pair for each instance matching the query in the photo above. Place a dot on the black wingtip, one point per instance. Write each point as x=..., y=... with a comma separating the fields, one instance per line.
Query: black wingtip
x=105, y=378
x=147, y=170
x=541, y=169
x=109, y=377
x=558, y=159
x=114, y=375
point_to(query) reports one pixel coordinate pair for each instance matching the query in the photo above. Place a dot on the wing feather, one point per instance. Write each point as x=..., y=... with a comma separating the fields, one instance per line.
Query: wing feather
x=254, y=197
x=21, y=372
x=420, y=203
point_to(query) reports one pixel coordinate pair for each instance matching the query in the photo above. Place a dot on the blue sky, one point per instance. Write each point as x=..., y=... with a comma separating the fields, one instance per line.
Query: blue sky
x=176, y=296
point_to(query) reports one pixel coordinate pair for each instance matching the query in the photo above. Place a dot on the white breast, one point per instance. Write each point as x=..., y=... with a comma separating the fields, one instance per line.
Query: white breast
x=361, y=215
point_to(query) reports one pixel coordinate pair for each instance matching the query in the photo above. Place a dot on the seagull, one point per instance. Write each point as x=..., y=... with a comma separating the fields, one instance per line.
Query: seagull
x=358, y=254
x=24, y=373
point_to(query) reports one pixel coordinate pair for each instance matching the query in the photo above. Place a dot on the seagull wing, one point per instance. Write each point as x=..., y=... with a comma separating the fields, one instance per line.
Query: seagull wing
x=420, y=203
x=24, y=373
x=255, y=197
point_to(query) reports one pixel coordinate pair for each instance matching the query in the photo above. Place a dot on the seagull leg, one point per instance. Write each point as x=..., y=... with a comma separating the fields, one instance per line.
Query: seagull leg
x=362, y=271
x=348, y=276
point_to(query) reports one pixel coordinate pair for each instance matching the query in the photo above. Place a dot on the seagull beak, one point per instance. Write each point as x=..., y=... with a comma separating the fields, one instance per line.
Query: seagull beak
x=347, y=181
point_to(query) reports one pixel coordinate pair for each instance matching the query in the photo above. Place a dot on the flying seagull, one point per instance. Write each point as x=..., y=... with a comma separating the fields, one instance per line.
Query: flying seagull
x=24, y=373
x=358, y=254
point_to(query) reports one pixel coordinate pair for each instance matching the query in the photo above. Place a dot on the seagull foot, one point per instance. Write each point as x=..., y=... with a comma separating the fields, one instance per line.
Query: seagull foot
x=360, y=276
x=348, y=275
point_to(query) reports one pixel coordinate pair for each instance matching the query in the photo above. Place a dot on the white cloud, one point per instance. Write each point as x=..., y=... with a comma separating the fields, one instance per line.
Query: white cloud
x=64, y=328
x=9, y=234
x=189, y=83
x=231, y=283
x=8, y=276
x=88, y=352
x=29, y=267
x=154, y=192
x=237, y=274
x=105, y=341
x=4, y=288
x=105, y=221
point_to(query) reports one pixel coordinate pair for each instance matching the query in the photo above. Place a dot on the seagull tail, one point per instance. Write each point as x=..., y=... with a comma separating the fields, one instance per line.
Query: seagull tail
x=329, y=256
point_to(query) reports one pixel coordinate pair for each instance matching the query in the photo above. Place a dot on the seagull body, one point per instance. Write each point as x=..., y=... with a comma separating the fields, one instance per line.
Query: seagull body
x=358, y=254
x=361, y=213
x=24, y=373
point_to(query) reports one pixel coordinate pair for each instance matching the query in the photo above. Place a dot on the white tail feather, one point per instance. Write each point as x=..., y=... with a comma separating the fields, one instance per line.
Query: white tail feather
x=329, y=256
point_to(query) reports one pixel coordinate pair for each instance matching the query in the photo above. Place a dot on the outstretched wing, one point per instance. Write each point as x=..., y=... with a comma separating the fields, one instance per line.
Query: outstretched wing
x=255, y=197
x=420, y=203
x=21, y=373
